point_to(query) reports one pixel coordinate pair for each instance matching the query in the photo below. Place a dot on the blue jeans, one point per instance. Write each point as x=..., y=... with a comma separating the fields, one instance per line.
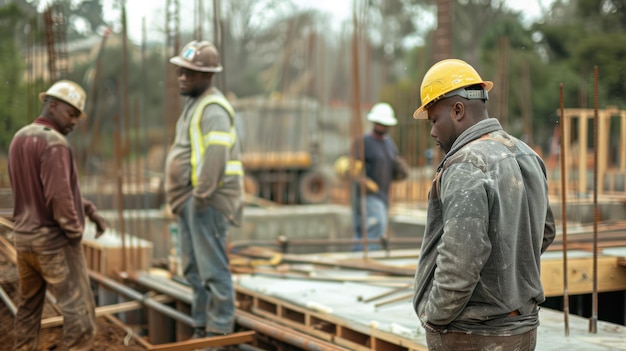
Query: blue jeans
x=205, y=265
x=375, y=221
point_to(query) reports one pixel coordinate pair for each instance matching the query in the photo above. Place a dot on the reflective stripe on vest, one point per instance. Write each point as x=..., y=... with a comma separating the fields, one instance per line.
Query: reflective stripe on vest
x=200, y=142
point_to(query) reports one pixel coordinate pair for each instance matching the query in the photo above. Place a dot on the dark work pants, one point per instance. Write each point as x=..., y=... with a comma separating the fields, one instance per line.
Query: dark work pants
x=455, y=341
x=65, y=272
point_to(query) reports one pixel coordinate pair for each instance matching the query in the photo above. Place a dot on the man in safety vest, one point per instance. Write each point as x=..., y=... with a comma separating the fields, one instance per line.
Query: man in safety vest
x=204, y=187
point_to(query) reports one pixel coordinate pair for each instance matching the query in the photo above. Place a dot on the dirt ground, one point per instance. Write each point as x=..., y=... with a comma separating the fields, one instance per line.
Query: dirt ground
x=109, y=335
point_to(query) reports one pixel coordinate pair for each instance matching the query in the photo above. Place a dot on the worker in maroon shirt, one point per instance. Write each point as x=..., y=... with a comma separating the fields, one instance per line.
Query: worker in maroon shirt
x=49, y=215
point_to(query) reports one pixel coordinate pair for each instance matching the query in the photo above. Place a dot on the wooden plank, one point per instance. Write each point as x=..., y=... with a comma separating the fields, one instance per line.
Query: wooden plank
x=370, y=265
x=146, y=345
x=611, y=276
x=105, y=310
x=230, y=339
x=6, y=223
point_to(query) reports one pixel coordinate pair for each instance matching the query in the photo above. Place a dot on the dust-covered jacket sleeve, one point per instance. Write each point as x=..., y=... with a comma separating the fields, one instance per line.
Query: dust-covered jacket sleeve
x=56, y=166
x=465, y=246
x=217, y=139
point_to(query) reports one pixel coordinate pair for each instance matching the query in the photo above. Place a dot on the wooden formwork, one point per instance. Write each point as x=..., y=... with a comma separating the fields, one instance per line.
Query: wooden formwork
x=109, y=256
x=322, y=325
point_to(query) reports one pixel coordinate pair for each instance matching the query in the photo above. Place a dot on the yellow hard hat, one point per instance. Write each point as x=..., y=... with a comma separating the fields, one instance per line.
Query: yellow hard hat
x=343, y=171
x=342, y=167
x=447, y=78
x=69, y=92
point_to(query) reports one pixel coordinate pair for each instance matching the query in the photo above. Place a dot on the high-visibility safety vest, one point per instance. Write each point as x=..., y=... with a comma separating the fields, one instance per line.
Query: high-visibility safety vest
x=200, y=142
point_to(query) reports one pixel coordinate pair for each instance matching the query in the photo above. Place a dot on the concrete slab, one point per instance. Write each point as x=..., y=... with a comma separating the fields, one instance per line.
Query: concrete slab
x=344, y=300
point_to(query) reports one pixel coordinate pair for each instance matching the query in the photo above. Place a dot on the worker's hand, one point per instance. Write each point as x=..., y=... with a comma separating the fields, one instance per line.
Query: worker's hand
x=370, y=184
x=100, y=223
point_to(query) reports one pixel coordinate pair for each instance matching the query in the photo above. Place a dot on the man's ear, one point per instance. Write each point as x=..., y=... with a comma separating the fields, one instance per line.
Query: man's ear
x=52, y=104
x=457, y=112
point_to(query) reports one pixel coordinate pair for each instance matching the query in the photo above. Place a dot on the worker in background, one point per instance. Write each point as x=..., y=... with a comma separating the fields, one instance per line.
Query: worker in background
x=204, y=187
x=382, y=166
x=49, y=215
x=478, y=283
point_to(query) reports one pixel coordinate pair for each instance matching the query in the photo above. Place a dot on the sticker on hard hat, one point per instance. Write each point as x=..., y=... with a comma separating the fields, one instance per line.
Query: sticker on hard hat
x=189, y=53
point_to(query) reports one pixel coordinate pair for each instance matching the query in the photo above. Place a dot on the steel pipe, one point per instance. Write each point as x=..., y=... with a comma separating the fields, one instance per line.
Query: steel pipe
x=7, y=301
x=146, y=300
x=247, y=320
x=167, y=289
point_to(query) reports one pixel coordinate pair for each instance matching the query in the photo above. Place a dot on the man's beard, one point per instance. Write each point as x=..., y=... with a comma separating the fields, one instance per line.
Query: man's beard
x=192, y=93
x=379, y=132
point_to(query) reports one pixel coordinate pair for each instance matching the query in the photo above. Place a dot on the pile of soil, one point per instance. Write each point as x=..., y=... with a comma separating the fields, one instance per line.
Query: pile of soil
x=109, y=335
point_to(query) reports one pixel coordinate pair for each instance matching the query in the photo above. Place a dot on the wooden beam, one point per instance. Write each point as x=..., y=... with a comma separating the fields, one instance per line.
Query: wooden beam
x=611, y=276
x=146, y=345
x=105, y=310
x=230, y=339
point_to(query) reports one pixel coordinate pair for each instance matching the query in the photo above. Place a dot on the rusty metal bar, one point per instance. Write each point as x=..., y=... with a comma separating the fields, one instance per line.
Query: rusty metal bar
x=285, y=242
x=385, y=294
x=126, y=119
x=194, y=344
x=594, y=296
x=356, y=93
x=564, y=212
x=395, y=299
x=282, y=333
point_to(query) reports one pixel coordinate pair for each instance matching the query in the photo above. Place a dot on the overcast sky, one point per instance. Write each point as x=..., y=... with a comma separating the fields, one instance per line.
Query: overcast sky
x=153, y=12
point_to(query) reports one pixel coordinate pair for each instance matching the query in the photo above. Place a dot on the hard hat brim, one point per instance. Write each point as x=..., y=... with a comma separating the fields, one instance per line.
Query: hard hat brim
x=179, y=61
x=422, y=113
x=386, y=121
x=42, y=98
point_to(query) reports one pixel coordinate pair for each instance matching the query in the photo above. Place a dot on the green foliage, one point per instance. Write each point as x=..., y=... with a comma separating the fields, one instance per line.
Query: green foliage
x=607, y=16
x=78, y=14
x=12, y=97
x=509, y=26
x=106, y=99
x=560, y=40
x=546, y=81
x=608, y=52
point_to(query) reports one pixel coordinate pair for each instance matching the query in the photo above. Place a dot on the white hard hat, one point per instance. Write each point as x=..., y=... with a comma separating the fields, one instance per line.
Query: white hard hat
x=382, y=113
x=69, y=92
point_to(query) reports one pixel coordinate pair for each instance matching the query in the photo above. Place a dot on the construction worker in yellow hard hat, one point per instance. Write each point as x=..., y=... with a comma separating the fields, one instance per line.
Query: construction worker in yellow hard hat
x=50, y=222
x=381, y=166
x=478, y=277
x=204, y=187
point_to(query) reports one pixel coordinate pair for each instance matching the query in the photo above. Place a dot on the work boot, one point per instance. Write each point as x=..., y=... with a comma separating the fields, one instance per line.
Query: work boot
x=199, y=333
x=210, y=334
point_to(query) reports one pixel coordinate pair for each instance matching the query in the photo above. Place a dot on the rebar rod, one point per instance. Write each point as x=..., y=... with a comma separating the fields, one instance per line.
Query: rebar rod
x=564, y=212
x=594, y=295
